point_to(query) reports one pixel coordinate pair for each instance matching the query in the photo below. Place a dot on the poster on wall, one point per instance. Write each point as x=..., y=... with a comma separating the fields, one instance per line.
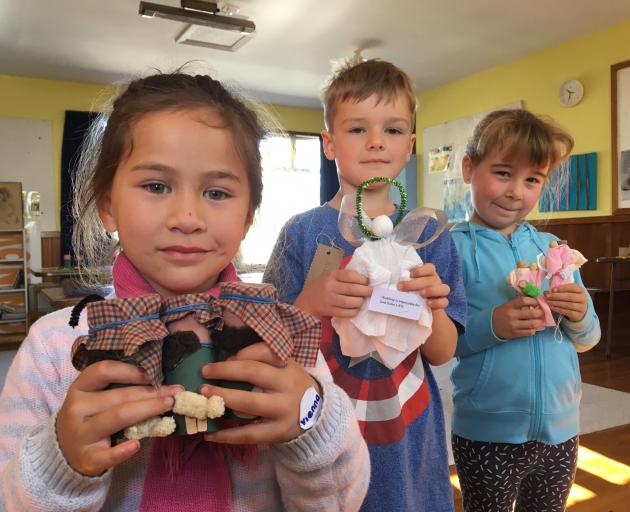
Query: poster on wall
x=439, y=159
x=456, y=201
x=11, y=205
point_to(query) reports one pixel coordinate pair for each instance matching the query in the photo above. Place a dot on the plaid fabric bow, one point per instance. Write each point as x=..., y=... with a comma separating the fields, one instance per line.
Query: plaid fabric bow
x=133, y=328
x=288, y=331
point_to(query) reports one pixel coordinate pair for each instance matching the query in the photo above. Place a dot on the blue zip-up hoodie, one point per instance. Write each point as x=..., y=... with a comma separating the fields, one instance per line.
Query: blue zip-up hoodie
x=517, y=390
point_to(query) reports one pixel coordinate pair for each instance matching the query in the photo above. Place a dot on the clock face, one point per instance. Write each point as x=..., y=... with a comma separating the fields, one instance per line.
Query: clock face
x=570, y=93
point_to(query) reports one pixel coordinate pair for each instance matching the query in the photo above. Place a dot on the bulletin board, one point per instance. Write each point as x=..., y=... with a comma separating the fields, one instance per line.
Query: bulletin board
x=27, y=157
x=443, y=149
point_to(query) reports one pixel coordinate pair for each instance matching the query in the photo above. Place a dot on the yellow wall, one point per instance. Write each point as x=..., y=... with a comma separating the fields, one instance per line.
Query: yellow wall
x=296, y=119
x=535, y=79
x=34, y=98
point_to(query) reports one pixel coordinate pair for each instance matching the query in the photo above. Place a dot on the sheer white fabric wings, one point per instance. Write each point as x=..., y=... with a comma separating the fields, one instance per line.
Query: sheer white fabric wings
x=407, y=232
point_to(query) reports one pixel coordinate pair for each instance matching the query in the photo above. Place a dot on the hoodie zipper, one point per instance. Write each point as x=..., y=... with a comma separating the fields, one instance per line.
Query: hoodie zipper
x=537, y=385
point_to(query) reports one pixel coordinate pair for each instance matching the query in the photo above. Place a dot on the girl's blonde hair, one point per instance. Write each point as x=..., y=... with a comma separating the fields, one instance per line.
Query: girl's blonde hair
x=110, y=141
x=518, y=132
x=357, y=82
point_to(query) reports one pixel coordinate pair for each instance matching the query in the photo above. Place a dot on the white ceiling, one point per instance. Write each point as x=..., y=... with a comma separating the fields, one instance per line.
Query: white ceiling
x=286, y=62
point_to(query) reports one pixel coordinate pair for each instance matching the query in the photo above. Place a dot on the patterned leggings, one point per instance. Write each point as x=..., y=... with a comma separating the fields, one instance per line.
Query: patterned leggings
x=493, y=475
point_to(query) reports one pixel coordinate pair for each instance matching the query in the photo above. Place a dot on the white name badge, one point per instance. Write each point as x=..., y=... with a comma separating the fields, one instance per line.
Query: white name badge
x=393, y=302
x=310, y=407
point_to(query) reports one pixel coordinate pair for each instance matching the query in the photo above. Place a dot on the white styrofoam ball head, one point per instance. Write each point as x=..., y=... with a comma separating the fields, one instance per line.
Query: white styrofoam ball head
x=382, y=226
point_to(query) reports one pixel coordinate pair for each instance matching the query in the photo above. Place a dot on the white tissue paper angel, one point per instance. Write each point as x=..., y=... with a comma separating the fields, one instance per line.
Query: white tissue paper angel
x=386, y=254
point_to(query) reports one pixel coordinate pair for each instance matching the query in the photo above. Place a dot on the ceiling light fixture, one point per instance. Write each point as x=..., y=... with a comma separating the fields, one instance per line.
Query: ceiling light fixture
x=207, y=25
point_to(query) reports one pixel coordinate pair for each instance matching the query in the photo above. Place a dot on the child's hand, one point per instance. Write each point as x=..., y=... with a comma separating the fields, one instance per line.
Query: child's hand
x=568, y=300
x=278, y=406
x=517, y=318
x=90, y=414
x=426, y=281
x=337, y=293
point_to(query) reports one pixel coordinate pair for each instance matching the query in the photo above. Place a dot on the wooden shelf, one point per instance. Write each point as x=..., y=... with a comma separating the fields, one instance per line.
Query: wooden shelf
x=14, y=268
x=14, y=321
x=11, y=290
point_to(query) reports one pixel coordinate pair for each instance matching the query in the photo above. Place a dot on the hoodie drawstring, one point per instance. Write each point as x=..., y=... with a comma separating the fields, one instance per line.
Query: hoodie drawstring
x=475, y=255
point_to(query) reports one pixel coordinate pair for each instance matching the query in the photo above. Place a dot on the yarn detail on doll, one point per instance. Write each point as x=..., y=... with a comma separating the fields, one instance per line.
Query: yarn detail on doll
x=134, y=328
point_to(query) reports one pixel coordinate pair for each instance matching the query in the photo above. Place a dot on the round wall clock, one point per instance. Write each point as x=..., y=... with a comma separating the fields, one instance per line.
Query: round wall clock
x=570, y=93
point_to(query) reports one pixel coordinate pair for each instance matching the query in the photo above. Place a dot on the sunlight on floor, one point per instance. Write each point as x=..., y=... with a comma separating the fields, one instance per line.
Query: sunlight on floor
x=603, y=467
x=579, y=493
x=594, y=463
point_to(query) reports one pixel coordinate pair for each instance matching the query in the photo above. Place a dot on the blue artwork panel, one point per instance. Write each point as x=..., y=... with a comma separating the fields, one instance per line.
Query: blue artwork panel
x=574, y=188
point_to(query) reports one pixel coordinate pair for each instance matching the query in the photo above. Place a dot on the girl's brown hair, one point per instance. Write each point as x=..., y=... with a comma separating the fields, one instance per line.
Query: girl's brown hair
x=360, y=81
x=110, y=142
x=518, y=132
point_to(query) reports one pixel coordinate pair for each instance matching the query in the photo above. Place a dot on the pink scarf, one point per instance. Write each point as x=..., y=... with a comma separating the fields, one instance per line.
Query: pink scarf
x=202, y=481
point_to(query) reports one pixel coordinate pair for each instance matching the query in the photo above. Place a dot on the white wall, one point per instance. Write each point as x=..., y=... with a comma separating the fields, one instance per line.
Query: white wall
x=26, y=156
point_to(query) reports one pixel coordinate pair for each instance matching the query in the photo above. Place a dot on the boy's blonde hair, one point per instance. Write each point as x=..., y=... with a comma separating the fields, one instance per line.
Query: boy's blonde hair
x=518, y=132
x=357, y=82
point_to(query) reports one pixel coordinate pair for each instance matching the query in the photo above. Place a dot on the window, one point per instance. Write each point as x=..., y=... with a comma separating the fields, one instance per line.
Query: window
x=290, y=186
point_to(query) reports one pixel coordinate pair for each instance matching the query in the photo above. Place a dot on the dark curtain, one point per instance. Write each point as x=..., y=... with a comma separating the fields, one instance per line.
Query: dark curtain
x=75, y=129
x=328, y=182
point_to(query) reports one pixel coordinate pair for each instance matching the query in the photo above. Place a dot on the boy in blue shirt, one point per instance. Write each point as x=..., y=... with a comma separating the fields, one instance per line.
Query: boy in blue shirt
x=369, y=112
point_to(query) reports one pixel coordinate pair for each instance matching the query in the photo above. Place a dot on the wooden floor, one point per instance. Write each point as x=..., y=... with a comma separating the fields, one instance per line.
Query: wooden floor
x=613, y=443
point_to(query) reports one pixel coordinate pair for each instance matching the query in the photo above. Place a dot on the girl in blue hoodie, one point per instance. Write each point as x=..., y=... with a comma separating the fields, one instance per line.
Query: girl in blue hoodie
x=516, y=383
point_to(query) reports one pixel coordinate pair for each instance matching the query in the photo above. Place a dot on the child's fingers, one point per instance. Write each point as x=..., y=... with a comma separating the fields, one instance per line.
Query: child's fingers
x=528, y=313
x=247, y=402
x=522, y=301
x=527, y=325
x=435, y=292
x=352, y=277
x=344, y=312
x=128, y=394
x=110, y=421
x=257, y=373
x=253, y=433
x=259, y=352
x=98, y=459
x=567, y=305
x=346, y=302
x=99, y=375
x=417, y=283
x=576, y=298
x=568, y=288
x=352, y=290
x=424, y=270
x=571, y=313
x=441, y=303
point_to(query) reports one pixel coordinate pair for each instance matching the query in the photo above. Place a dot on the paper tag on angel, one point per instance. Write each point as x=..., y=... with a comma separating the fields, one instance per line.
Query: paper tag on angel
x=392, y=302
x=327, y=257
x=386, y=254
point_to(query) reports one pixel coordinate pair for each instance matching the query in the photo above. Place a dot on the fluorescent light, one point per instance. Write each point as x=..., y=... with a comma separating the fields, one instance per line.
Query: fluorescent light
x=196, y=17
x=210, y=37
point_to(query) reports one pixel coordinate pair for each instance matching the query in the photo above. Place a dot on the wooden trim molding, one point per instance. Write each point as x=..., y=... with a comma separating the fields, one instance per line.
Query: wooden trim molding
x=614, y=135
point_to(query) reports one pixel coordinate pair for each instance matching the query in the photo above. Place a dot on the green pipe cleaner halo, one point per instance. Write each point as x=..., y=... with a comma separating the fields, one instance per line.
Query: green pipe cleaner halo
x=401, y=210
